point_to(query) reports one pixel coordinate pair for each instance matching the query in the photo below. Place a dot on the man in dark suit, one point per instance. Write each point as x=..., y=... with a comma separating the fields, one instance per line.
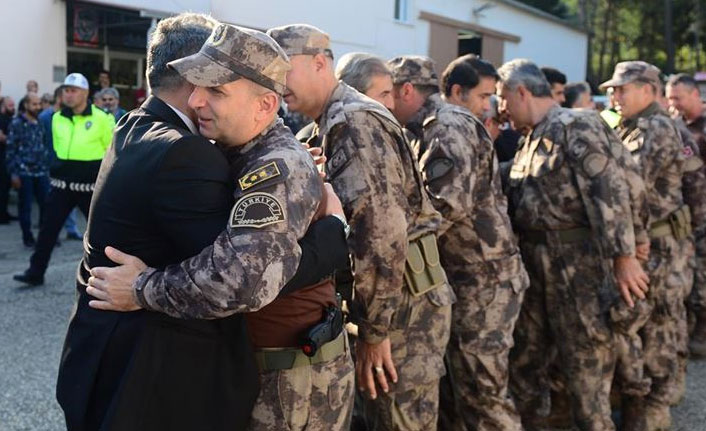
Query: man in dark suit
x=164, y=193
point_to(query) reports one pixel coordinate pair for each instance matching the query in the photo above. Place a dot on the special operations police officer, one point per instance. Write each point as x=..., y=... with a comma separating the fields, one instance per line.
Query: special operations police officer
x=405, y=314
x=306, y=371
x=82, y=133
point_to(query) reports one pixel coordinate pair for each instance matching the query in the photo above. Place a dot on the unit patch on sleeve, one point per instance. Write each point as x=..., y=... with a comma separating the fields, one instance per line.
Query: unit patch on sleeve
x=256, y=210
x=259, y=175
x=438, y=168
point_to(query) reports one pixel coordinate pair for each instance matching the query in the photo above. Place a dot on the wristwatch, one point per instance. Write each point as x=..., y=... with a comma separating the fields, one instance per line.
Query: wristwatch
x=346, y=226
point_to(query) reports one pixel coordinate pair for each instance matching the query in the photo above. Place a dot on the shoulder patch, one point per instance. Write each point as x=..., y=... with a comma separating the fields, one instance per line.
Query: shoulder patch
x=594, y=164
x=256, y=210
x=264, y=173
x=339, y=159
x=437, y=168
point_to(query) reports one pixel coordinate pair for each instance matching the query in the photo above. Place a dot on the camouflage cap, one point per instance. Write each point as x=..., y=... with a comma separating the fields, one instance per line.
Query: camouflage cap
x=231, y=53
x=298, y=39
x=415, y=69
x=634, y=71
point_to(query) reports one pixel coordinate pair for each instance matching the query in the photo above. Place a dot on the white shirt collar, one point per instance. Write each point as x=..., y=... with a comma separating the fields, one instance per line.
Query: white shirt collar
x=190, y=124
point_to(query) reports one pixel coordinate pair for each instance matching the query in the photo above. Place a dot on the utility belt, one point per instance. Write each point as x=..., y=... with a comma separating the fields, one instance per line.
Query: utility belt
x=269, y=359
x=677, y=224
x=423, y=270
x=564, y=236
x=320, y=343
x=72, y=186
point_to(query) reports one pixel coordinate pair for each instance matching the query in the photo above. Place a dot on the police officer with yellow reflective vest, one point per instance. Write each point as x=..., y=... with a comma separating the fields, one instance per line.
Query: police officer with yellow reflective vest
x=82, y=133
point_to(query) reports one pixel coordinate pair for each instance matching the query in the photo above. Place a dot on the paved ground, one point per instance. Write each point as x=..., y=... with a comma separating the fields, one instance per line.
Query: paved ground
x=33, y=322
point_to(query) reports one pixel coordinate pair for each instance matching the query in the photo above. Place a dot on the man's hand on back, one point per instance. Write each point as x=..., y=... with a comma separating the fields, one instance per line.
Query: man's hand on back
x=113, y=287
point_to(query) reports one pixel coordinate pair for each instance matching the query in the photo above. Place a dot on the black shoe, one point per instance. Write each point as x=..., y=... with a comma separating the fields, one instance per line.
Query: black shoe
x=73, y=236
x=4, y=220
x=28, y=278
x=29, y=242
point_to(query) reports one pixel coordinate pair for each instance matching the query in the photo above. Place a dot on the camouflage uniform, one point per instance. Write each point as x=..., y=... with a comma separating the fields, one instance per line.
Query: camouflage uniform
x=696, y=302
x=570, y=202
x=373, y=171
x=693, y=186
x=653, y=139
x=277, y=194
x=479, y=252
x=655, y=144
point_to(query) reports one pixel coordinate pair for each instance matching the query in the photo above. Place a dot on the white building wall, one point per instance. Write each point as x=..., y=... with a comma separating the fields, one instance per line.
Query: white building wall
x=545, y=42
x=34, y=31
x=34, y=40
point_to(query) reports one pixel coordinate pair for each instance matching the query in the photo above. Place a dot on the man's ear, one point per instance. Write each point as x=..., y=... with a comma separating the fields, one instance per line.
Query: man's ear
x=456, y=92
x=407, y=90
x=320, y=62
x=269, y=105
x=522, y=92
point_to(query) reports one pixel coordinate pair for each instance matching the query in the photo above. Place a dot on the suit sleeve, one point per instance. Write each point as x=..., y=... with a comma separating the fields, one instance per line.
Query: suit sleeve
x=192, y=195
x=249, y=262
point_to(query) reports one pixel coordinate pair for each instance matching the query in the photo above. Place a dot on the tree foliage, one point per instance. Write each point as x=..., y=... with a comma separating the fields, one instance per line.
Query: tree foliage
x=666, y=33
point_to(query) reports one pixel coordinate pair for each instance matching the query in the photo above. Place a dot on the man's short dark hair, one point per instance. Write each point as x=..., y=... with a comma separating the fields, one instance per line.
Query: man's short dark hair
x=466, y=71
x=554, y=76
x=683, y=79
x=573, y=91
x=104, y=72
x=175, y=37
x=57, y=92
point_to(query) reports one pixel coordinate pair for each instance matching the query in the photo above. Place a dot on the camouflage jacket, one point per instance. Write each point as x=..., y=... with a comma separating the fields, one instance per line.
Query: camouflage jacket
x=566, y=175
x=373, y=171
x=697, y=128
x=277, y=193
x=656, y=146
x=461, y=175
x=694, y=180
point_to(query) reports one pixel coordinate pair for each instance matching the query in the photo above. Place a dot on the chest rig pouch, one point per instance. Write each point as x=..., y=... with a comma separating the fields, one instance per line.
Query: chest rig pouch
x=423, y=271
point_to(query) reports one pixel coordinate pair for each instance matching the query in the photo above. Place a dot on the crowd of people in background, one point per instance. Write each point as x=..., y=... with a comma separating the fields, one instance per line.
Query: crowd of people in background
x=27, y=151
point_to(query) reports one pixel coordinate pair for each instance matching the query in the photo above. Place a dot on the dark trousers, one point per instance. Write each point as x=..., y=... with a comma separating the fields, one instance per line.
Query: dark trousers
x=4, y=186
x=57, y=207
x=32, y=188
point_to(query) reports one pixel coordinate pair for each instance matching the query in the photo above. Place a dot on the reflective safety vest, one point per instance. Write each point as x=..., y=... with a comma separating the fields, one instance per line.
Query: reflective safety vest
x=83, y=137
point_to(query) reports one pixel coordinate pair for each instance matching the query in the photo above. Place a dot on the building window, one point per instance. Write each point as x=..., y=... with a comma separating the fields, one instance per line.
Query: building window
x=401, y=10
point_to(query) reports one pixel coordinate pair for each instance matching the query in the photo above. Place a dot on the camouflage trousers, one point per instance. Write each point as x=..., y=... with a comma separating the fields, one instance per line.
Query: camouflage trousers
x=652, y=338
x=567, y=305
x=696, y=300
x=311, y=398
x=419, y=338
x=474, y=393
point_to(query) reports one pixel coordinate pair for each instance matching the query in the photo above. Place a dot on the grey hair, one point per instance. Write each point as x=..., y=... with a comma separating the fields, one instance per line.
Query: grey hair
x=357, y=68
x=523, y=72
x=174, y=38
x=111, y=91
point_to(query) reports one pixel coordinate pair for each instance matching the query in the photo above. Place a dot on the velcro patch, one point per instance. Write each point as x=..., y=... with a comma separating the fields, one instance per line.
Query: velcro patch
x=259, y=175
x=437, y=168
x=256, y=210
x=594, y=164
x=339, y=159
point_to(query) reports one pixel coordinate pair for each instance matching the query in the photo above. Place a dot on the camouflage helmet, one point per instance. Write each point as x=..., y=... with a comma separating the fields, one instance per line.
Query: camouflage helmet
x=415, y=69
x=634, y=71
x=298, y=39
x=231, y=53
